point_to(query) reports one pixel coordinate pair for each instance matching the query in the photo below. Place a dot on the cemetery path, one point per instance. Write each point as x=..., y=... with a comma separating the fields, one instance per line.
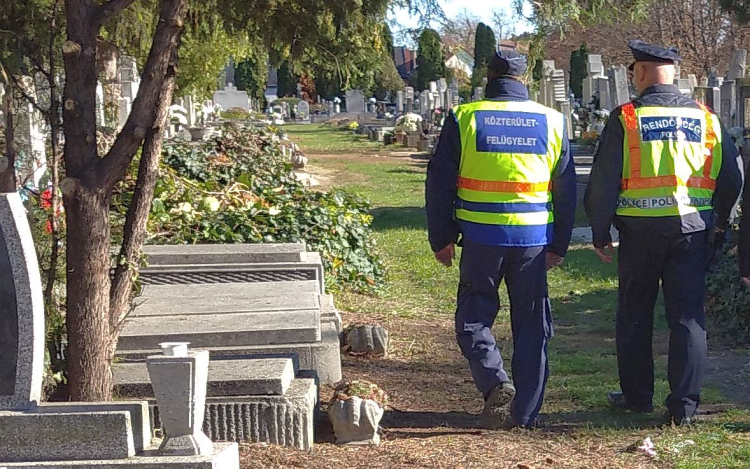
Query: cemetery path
x=433, y=419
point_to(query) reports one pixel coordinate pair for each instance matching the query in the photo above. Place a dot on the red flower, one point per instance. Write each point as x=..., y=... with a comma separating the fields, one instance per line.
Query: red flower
x=48, y=227
x=46, y=202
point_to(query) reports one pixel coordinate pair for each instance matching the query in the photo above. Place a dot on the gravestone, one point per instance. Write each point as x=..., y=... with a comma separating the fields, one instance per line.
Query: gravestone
x=400, y=101
x=743, y=102
x=303, y=111
x=409, y=99
x=684, y=85
x=594, y=65
x=711, y=97
x=424, y=103
x=618, y=82
x=693, y=81
x=355, y=101
x=738, y=65
x=478, y=93
x=21, y=310
x=601, y=86
x=728, y=103
x=433, y=87
x=231, y=97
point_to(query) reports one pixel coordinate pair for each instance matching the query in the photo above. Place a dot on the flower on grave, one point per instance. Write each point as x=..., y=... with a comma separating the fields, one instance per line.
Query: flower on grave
x=337, y=100
x=212, y=204
x=408, y=123
x=46, y=200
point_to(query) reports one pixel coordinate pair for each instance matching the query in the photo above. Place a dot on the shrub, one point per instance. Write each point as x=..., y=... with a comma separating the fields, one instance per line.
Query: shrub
x=235, y=113
x=242, y=190
x=290, y=101
x=728, y=302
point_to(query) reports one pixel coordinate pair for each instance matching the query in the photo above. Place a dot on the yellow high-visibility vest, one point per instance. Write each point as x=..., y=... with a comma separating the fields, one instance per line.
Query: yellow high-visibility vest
x=509, y=151
x=672, y=157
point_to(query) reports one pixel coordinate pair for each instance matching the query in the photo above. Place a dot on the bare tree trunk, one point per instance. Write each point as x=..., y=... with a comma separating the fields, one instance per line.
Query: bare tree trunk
x=8, y=174
x=136, y=221
x=88, y=260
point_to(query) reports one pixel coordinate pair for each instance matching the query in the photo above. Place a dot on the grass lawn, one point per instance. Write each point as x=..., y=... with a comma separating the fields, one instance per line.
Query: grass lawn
x=433, y=421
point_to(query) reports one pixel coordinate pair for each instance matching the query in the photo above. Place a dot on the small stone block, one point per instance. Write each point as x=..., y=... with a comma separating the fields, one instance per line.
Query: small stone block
x=159, y=300
x=224, y=253
x=29, y=436
x=139, y=416
x=229, y=329
x=237, y=377
x=225, y=456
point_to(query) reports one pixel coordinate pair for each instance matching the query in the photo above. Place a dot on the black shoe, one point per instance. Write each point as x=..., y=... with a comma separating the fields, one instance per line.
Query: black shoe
x=496, y=414
x=618, y=401
x=671, y=419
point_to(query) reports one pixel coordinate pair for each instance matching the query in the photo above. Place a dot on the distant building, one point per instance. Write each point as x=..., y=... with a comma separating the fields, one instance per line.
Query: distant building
x=406, y=61
x=462, y=61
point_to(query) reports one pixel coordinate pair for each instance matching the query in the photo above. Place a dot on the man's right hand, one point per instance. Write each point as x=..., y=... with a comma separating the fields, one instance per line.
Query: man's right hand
x=446, y=255
x=606, y=253
x=746, y=281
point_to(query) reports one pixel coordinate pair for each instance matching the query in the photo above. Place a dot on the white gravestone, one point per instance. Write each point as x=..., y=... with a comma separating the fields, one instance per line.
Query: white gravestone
x=230, y=98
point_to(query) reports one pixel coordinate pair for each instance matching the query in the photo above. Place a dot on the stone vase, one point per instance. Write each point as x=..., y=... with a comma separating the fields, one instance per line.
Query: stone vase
x=199, y=134
x=179, y=379
x=356, y=421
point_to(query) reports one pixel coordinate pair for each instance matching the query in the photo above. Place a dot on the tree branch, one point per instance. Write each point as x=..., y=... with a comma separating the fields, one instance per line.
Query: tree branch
x=159, y=67
x=110, y=9
x=136, y=221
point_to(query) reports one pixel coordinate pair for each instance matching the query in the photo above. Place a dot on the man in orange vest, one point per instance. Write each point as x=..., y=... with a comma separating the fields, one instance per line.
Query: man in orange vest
x=668, y=176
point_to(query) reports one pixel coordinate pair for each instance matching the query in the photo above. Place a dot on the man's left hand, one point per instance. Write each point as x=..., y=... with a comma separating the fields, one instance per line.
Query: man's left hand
x=746, y=281
x=554, y=260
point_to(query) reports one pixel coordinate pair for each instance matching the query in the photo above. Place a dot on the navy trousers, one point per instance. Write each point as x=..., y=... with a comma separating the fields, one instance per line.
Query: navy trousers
x=483, y=268
x=678, y=262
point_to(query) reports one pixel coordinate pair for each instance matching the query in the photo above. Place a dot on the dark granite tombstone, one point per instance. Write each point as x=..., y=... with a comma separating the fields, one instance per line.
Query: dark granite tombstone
x=21, y=310
x=8, y=322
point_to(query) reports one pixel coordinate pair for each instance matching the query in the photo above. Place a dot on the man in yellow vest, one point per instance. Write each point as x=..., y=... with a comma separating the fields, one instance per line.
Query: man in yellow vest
x=502, y=178
x=668, y=176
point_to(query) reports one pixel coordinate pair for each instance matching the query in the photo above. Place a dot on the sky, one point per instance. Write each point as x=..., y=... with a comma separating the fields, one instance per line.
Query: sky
x=482, y=8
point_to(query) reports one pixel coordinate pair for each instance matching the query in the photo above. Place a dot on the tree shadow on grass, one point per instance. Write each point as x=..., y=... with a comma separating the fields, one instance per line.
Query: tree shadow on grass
x=387, y=218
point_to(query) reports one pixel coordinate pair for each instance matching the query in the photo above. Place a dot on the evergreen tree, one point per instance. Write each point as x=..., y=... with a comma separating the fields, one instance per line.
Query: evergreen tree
x=578, y=70
x=430, y=59
x=485, y=45
x=287, y=81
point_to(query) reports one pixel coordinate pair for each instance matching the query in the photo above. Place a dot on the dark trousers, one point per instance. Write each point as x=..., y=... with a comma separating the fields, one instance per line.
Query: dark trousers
x=524, y=270
x=678, y=262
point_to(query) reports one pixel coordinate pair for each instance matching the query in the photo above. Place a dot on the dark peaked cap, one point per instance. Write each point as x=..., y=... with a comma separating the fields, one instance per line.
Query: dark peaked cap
x=645, y=52
x=507, y=62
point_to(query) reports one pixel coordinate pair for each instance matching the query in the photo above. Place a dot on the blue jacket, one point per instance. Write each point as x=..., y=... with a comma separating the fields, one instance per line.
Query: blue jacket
x=442, y=179
x=604, y=183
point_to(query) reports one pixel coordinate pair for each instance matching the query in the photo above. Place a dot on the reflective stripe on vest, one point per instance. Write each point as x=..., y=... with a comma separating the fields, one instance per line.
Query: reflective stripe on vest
x=509, y=151
x=676, y=174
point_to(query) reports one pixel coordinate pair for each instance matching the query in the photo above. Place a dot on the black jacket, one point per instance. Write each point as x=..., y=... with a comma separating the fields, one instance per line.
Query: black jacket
x=442, y=179
x=745, y=232
x=606, y=174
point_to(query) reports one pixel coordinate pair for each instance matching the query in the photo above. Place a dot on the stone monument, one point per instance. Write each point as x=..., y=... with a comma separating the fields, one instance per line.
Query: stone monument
x=65, y=435
x=21, y=310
